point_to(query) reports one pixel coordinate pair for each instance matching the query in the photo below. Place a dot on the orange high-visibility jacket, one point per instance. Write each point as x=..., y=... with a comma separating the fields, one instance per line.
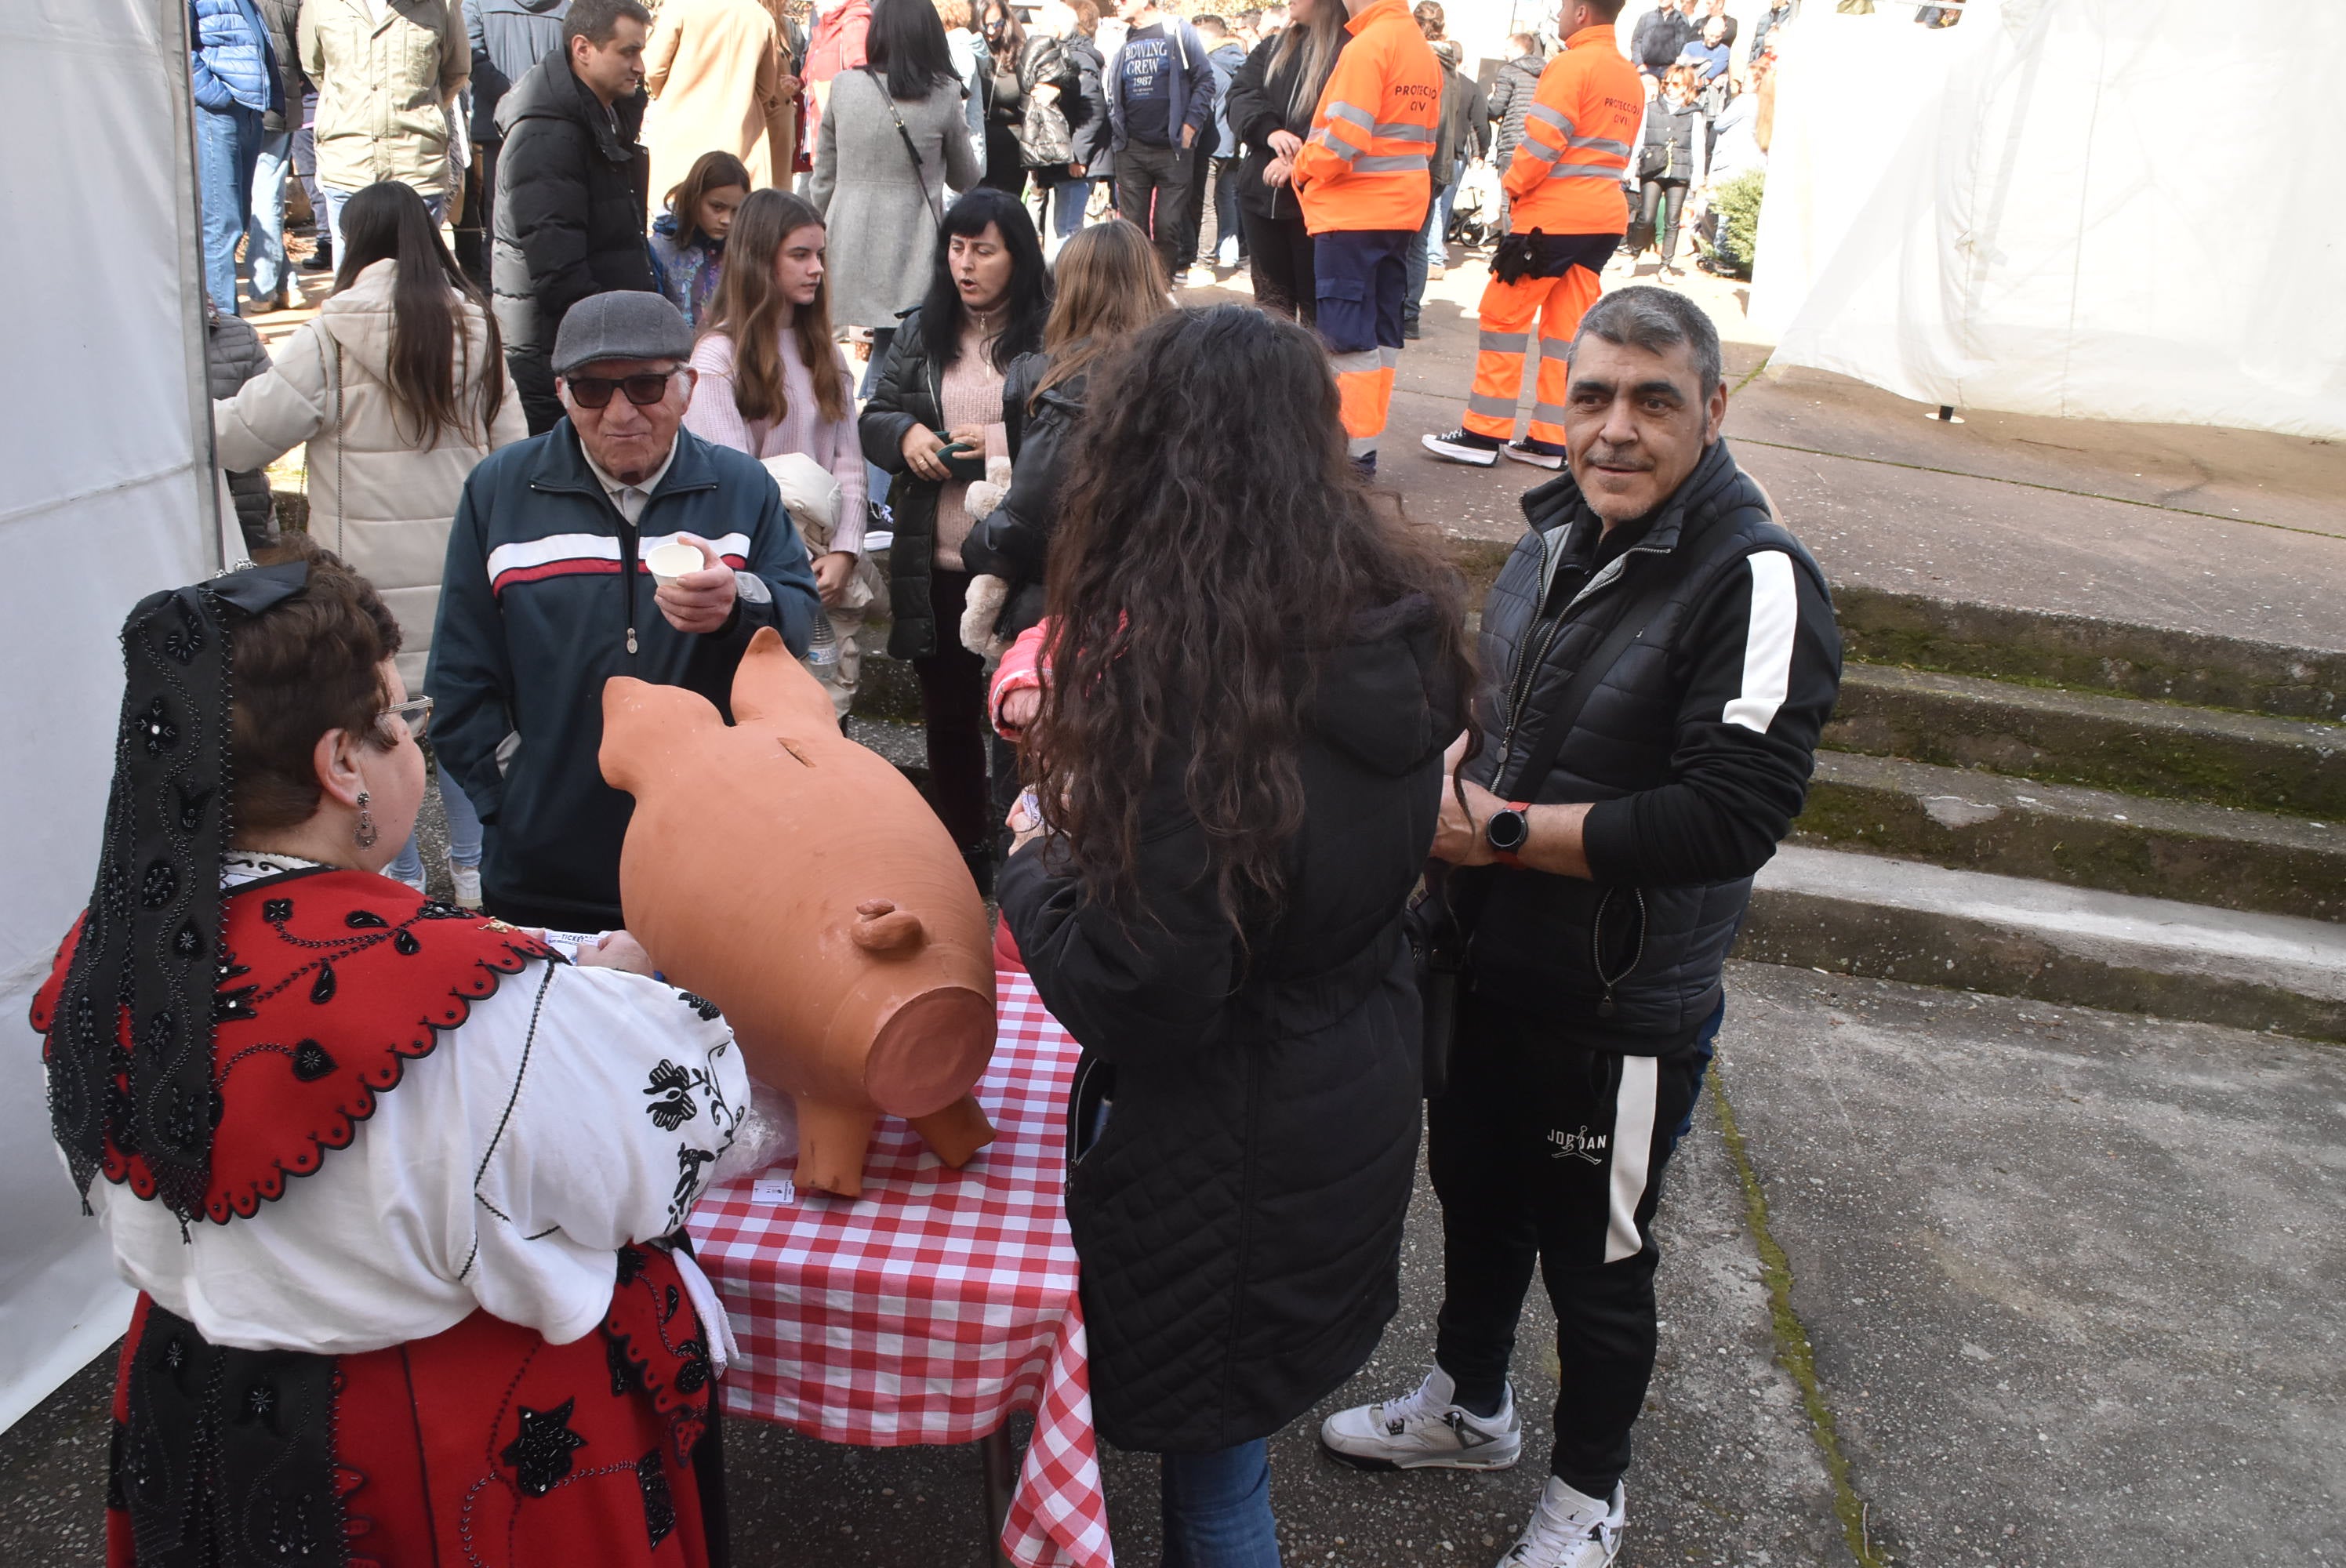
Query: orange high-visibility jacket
x=1369, y=159
x=1569, y=169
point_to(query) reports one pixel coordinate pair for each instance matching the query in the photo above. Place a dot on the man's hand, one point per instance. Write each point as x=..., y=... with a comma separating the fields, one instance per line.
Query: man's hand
x=832, y=573
x=617, y=950
x=1286, y=144
x=1188, y=137
x=702, y=601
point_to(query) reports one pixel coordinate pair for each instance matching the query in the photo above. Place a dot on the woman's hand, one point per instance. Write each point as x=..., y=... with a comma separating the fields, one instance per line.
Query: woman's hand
x=832, y=573
x=617, y=950
x=1025, y=827
x=1075, y=171
x=920, y=448
x=1286, y=144
x=1279, y=171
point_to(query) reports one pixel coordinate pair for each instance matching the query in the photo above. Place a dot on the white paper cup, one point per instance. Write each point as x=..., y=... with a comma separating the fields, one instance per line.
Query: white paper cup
x=672, y=560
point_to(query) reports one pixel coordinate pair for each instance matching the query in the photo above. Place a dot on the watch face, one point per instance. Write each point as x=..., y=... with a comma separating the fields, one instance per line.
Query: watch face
x=1507, y=831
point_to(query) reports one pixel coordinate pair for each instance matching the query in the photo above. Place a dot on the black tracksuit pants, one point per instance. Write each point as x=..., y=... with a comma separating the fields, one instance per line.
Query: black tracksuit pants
x=1550, y=1153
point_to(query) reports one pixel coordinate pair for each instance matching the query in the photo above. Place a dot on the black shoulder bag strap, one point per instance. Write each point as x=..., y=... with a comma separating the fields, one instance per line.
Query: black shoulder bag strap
x=1441, y=923
x=920, y=169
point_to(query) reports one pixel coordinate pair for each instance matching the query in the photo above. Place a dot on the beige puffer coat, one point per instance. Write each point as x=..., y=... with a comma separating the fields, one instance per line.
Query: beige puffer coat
x=377, y=498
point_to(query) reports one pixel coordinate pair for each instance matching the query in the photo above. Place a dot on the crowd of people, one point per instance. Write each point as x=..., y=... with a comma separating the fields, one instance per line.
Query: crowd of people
x=1308, y=868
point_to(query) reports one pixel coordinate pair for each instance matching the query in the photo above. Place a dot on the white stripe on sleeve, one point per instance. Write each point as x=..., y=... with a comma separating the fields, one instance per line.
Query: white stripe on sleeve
x=1633, y=1148
x=1767, y=644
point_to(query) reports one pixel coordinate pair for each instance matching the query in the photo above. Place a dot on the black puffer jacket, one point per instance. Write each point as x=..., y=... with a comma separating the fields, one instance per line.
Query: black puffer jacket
x=1239, y=1219
x=1258, y=105
x=1086, y=106
x=1696, y=745
x=908, y=394
x=571, y=185
x=1673, y=136
x=1014, y=542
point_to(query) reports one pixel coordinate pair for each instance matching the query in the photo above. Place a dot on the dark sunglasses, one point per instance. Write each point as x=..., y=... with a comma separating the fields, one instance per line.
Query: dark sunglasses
x=595, y=392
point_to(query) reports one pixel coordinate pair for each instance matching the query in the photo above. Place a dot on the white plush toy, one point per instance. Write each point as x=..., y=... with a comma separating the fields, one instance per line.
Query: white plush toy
x=987, y=594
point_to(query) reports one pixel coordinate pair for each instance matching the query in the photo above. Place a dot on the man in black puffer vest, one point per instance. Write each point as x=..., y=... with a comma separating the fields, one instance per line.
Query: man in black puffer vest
x=1658, y=657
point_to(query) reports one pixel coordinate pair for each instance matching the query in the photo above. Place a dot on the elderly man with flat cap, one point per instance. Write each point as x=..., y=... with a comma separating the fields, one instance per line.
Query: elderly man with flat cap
x=546, y=594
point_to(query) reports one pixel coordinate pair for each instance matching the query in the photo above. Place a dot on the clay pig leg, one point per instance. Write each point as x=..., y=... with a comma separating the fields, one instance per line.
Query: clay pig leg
x=956, y=1133
x=832, y=1143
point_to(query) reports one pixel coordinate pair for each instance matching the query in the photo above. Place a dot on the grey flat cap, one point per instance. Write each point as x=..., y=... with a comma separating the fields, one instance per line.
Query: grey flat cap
x=623, y=324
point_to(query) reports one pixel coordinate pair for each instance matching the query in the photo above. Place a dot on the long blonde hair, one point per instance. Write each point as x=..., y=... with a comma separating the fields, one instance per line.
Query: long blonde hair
x=749, y=307
x=1109, y=284
x=1317, y=41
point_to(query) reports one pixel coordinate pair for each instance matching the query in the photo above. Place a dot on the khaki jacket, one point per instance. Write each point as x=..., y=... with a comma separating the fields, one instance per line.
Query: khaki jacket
x=382, y=88
x=377, y=498
x=714, y=69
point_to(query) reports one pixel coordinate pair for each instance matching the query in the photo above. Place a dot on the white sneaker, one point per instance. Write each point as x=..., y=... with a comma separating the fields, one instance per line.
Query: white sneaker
x=1227, y=252
x=1569, y=1529
x=1200, y=275
x=468, y=885
x=1425, y=1430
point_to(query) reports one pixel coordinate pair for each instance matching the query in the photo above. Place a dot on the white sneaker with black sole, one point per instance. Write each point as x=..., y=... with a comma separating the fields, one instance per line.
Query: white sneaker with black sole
x=1462, y=447
x=1569, y=1529
x=1427, y=1430
x=1538, y=453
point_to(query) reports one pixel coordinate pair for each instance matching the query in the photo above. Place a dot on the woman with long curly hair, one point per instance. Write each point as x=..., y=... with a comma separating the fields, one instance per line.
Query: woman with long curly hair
x=1254, y=671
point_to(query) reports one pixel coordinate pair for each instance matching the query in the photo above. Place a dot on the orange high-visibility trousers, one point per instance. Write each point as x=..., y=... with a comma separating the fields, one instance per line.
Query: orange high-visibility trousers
x=1508, y=312
x=1364, y=385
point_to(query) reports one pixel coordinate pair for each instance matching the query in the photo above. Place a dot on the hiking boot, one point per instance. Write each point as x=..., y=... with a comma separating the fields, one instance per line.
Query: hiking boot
x=322, y=260
x=1409, y=329
x=1569, y=1530
x=1538, y=453
x=1463, y=446
x=1423, y=1430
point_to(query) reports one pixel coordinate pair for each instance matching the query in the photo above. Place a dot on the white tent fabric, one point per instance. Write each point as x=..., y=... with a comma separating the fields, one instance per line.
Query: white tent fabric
x=108, y=497
x=2081, y=208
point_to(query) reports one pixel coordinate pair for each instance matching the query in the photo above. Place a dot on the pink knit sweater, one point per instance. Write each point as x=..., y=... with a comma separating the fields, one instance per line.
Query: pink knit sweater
x=971, y=391
x=713, y=416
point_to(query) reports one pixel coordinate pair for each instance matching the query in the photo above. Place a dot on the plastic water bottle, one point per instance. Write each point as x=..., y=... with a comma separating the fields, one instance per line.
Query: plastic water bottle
x=823, y=649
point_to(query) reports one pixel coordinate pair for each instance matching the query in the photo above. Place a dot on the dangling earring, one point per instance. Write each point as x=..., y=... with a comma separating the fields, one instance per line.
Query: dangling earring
x=364, y=834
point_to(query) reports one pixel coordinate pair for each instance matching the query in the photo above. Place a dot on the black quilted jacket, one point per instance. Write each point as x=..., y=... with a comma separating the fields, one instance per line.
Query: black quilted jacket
x=1239, y=1217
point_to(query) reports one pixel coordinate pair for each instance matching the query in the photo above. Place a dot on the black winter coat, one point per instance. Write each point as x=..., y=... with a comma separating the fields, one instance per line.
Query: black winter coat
x=571, y=193
x=1239, y=1217
x=908, y=394
x=1677, y=134
x=1257, y=106
x=1086, y=106
x=1695, y=745
x=1014, y=542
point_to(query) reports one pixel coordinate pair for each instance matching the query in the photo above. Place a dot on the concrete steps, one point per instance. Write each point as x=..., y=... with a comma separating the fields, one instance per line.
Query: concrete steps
x=2246, y=759
x=2215, y=855
x=1847, y=913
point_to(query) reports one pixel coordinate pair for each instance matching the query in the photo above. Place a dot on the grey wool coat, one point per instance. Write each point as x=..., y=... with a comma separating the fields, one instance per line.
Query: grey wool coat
x=878, y=211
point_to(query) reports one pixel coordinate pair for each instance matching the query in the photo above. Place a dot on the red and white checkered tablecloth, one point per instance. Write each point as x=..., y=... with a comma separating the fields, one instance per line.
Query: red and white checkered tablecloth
x=937, y=1304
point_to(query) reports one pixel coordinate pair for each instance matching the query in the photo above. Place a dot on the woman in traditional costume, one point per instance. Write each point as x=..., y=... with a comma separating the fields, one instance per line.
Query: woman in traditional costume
x=468, y=1334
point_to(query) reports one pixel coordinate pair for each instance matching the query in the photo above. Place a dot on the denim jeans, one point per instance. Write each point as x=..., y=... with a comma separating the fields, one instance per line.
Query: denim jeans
x=1437, y=218
x=305, y=160
x=228, y=144
x=264, y=247
x=463, y=836
x=875, y=478
x=1216, y=1508
x=1069, y=199
x=337, y=199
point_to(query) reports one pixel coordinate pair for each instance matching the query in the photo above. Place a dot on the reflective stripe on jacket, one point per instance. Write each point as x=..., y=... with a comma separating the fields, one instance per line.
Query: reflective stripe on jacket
x=1367, y=163
x=1567, y=175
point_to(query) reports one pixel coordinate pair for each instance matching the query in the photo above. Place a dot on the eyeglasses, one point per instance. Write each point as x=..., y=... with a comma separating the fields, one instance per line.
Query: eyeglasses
x=595, y=392
x=415, y=713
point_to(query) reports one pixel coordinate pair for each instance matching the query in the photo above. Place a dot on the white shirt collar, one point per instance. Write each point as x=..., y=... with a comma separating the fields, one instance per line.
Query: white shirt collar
x=617, y=487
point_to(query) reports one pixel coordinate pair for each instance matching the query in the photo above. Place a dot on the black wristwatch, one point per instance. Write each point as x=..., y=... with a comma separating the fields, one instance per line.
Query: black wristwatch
x=1507, y=832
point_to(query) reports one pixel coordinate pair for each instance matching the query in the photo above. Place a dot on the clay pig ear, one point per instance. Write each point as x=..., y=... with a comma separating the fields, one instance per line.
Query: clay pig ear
x=881, y=927
x=773, y=686
x=645, y=728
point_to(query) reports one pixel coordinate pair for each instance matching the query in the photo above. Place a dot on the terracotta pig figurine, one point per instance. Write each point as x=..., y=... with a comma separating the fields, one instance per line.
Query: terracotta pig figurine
x=801, y=884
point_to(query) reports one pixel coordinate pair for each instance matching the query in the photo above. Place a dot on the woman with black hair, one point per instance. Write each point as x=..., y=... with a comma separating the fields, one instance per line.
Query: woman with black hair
x=893, y=138
x=933, y=423
x=1254, y=671
x=399, y=387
